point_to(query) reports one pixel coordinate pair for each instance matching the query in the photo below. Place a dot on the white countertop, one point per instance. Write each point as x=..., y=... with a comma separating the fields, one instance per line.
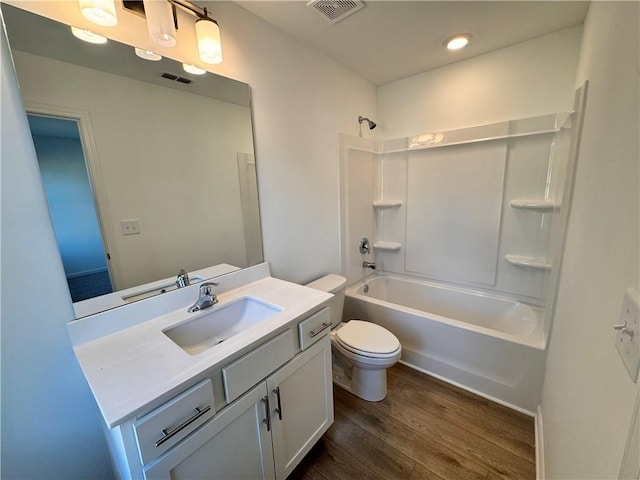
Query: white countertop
x=132, y=367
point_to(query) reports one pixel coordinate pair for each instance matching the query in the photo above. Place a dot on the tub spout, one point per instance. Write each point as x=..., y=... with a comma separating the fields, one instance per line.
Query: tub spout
x=371, y=265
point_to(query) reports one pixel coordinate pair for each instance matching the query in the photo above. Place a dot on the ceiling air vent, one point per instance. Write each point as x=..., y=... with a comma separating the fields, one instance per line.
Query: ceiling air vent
x=335, y=10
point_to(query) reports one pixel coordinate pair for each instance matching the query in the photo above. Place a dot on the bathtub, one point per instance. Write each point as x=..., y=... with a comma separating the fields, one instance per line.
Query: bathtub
x=491, y=345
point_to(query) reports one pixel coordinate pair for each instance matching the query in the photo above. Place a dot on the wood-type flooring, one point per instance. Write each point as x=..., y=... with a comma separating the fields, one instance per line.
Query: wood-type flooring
x=423, y=429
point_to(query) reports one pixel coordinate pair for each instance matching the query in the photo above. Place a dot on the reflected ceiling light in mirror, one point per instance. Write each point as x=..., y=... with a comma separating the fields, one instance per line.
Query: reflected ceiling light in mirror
x=88, y=36
x=160, y=22
x=208, y=35
x=458, y=41
x=100, y=12
x=193, y=69
x=148, y=54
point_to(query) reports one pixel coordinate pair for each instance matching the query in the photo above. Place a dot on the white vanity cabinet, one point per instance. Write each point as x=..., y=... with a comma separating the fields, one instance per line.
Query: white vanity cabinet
x=278, y=403
x=301, y=402
x=234, y=444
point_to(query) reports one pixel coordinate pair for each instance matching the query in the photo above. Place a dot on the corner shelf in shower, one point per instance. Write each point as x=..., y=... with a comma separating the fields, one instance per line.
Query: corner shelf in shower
x=539, y=204
x=389, y=246
x=384, y=204
x=528, y=262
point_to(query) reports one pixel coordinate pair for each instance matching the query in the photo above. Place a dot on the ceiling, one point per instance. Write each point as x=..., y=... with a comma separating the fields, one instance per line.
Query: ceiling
x=390, y=40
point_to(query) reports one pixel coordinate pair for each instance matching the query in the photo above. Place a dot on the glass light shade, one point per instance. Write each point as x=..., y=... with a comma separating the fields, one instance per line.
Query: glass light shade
x=100, y=12
x=209, y=46
x=148, y=54
x=88, y=36
x=458, y=41
x=160, y=24
x=193, y=69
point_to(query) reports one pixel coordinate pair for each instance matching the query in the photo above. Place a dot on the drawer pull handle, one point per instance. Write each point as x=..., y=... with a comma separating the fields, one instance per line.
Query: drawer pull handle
x=279, y=409
x=168, y=433
x=267, y=419
x=324, y=326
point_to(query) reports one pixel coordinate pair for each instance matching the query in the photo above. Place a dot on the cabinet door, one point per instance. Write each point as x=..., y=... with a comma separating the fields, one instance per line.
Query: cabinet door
x=235, y=444
x=305, y=408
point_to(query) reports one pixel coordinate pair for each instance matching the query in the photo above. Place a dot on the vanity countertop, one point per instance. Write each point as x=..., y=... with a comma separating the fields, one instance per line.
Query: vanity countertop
x=130, y=368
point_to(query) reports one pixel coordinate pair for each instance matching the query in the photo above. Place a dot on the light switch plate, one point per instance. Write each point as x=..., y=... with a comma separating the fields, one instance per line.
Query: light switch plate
x=628, y=337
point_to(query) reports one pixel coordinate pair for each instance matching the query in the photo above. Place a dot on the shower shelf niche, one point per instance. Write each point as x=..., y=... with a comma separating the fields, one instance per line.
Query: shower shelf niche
x=389, y=246
x=384, y=204
x=528, y=262
x=539, y=204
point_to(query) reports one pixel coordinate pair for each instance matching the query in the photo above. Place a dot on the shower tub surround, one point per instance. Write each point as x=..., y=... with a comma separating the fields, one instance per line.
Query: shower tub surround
x=467, y=228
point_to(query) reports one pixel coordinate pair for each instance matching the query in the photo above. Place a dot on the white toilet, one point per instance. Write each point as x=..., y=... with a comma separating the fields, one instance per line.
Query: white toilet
x=361, y=351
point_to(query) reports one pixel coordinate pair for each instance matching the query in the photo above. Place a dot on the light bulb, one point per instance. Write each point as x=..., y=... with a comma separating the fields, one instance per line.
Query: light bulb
x=458, y=41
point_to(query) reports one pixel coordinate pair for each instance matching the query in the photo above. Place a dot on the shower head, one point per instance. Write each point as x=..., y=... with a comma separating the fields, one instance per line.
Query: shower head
x=371, y=123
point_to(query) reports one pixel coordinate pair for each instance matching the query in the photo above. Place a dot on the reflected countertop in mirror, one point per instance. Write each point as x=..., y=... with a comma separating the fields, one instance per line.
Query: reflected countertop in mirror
x=168, y=156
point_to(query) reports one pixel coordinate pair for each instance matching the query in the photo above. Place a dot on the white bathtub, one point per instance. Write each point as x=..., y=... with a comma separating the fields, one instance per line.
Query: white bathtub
x=491, y=345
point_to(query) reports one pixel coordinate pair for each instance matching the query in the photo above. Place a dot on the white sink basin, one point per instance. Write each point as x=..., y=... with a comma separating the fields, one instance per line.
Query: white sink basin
x=219, y=323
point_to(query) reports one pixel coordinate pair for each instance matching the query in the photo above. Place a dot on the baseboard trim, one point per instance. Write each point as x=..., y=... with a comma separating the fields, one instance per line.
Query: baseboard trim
x=539, y=438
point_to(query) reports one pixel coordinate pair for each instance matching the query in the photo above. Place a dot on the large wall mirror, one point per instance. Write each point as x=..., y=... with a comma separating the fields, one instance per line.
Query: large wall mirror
x=148, y=169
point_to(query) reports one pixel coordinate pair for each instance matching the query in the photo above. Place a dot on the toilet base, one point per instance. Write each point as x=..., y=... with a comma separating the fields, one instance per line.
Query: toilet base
x=368, y=384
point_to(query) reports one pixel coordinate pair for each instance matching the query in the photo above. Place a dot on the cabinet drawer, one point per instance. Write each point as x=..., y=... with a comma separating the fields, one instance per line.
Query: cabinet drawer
x=314, y=328
x=167, y=425
x=244, y=373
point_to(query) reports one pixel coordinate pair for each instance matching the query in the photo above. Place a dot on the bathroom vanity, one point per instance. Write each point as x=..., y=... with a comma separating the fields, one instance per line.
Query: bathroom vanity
x=239, y=390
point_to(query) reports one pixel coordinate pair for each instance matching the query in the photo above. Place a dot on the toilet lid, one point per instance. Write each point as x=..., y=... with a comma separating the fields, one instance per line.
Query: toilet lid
x=367, y=337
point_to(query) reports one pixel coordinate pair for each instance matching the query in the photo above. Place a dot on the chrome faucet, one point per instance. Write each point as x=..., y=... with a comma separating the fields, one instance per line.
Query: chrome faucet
x=206, y=297
x=183, y=279
x=371, y=265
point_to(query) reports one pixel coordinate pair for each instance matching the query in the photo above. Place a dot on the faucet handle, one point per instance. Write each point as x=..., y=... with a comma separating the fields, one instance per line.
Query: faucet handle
x=207, y=288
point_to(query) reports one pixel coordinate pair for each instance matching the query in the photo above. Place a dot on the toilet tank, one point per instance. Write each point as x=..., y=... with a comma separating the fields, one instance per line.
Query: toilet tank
x=335, y=284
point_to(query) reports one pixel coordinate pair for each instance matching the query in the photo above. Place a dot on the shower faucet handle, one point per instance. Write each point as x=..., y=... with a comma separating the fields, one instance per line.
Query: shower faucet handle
x=364, y=246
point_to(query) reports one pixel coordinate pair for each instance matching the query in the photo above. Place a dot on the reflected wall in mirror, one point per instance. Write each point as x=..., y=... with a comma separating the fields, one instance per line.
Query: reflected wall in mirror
x=170, y=164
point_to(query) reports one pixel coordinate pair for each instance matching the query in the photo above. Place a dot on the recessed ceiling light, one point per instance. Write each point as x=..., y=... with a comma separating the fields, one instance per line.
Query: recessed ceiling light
x=193, y=69
x=457, y=41
x=148, y=54
x=88, y=36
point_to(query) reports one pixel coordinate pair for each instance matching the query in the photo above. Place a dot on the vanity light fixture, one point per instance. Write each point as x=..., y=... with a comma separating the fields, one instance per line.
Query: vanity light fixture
x=457, y=41
x=88, y=36
x=100, y=12
x=193, y=69
x=160, y=22
x=148, y=54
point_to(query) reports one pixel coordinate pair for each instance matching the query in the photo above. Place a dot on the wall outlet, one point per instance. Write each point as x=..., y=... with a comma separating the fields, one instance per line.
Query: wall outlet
x=130, y=227
x=628, y=337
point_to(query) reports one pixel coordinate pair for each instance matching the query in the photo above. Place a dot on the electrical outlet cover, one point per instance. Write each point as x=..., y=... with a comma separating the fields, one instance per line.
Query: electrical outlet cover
x=628, y=339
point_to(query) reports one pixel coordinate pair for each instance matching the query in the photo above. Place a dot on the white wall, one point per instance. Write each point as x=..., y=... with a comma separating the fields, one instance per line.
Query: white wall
x=588, y=397
x=531, y=78
x=301, y=101
x=50, y=424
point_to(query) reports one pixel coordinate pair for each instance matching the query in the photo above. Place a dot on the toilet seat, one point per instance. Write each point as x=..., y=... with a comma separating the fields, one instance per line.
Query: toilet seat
x=367, y=339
